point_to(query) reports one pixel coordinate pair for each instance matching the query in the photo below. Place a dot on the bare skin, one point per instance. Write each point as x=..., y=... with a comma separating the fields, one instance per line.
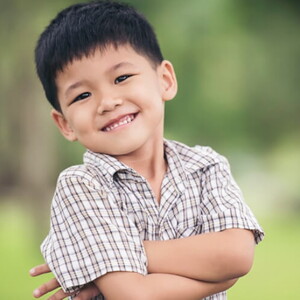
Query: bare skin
x=197, y=288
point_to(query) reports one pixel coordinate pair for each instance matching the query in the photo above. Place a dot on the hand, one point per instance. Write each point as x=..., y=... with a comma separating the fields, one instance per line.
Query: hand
x=88, y=292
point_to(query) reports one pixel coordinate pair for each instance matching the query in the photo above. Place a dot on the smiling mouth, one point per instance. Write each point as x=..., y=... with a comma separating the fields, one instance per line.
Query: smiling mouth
x=120, y=122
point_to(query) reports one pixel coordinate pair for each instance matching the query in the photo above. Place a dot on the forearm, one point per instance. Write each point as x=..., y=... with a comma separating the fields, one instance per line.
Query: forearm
x=209, y=257
x=131, y=286
x=166, y=286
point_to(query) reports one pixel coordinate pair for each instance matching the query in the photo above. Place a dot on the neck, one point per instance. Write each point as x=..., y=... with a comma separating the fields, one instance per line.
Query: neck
x=149, y=162
x=152, y=165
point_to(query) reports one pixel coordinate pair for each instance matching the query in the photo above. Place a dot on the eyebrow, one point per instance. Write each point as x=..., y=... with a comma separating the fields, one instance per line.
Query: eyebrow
x=73, y=86
x=119, y=65
x=111, y=69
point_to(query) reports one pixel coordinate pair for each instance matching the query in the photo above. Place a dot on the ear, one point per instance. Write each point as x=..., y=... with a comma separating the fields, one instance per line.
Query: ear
x=169, y=82
x=63, y=125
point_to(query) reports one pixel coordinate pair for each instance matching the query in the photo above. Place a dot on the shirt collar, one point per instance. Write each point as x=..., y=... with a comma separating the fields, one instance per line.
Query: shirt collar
x=106, y=164
x=176, y=170
x=190, y=159
x=182, y=161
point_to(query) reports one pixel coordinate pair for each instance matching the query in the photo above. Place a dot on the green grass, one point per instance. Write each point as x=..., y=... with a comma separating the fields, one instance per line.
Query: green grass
x=19, y=252
x=275, y=274
x=276, y=270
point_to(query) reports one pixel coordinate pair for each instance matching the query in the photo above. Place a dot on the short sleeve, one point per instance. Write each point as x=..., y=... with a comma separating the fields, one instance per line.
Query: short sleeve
x=222, y=205
x=89, y=235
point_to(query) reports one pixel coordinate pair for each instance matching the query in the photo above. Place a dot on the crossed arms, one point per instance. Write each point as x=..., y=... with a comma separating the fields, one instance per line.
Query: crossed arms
x=187, y=268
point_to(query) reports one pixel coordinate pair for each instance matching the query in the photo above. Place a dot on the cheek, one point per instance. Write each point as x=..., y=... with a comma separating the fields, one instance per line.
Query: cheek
x=145, y=90
x=146, y=98
x=81, y=120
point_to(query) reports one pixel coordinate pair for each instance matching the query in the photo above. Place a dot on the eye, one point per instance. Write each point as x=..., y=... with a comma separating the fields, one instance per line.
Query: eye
x=81, y=97
x=121, y=78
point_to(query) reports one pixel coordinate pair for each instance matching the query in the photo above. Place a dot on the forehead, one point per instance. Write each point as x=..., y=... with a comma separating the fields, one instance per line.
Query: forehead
x=110, y=55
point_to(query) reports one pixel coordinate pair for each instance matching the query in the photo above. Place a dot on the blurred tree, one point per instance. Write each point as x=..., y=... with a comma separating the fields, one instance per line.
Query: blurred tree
x=27, y=152
x=238, y=69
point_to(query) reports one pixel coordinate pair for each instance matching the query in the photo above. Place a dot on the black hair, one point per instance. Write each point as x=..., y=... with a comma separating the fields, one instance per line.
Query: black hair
x=82, y=28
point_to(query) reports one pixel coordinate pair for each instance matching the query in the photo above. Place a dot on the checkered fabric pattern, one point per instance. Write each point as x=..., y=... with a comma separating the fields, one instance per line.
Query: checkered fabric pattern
x=103, y=210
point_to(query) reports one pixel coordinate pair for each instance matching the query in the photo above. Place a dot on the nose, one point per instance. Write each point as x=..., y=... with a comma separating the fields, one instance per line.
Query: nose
x=108, y=104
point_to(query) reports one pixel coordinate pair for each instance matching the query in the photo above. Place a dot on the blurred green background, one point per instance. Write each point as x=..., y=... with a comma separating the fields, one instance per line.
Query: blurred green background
x=238, y=67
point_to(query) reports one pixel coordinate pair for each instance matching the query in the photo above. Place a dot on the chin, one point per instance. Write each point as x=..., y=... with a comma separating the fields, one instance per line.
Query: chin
x=120, y=152
x=123, y=149
x=123, y=146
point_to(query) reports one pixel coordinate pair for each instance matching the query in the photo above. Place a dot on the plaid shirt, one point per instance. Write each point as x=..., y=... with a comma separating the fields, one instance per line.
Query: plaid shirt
x=103, y=210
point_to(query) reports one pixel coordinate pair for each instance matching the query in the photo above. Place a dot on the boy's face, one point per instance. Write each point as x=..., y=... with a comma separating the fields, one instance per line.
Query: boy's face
x=112, y=102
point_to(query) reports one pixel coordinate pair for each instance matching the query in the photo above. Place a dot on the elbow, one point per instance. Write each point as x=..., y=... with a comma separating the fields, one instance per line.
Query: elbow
x=240, y=258
x=243, y=264
x=234, y=266
x=242, y=261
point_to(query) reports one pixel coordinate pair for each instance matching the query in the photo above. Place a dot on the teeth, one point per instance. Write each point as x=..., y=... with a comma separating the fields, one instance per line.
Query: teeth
x=123, y=121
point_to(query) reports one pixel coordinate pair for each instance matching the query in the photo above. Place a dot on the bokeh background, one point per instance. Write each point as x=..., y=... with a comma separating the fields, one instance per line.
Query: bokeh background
x=238, y=67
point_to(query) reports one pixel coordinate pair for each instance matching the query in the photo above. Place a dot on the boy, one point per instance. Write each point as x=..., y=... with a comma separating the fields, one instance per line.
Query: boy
x=143, y=217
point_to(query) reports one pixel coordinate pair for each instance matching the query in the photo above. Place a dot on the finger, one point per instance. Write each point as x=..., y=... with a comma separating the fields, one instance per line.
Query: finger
x=45, y=288
x=88, y=292
x=59, y=295
x=39, y=270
